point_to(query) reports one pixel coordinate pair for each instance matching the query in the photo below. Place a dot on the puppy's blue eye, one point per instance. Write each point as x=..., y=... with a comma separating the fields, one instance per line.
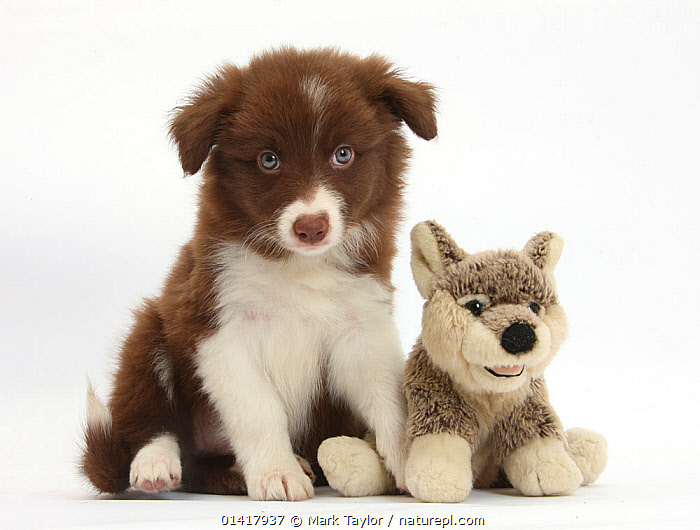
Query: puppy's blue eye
x=269, y=161
x=343, y=156
x=534, y=307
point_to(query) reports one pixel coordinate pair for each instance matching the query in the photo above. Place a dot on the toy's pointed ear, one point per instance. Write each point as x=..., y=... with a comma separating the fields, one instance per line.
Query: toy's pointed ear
x=432, y=250
x=413, y=102
x=194, y=126
x=545, y=250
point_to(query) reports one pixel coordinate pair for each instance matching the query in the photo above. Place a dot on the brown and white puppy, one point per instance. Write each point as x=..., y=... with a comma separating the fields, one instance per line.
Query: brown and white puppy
x=274, y=330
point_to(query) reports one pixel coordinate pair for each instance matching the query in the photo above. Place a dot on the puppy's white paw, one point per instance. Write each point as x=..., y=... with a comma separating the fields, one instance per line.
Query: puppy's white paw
x=280, y=485
x=542, y=467
x=353, y=467
x=438, y=468
x=156, y=467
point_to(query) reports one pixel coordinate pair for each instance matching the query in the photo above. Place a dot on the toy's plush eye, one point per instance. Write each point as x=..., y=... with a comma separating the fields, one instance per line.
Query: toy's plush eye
x=475, y=307
x=534, y=307
x=475, y=304
x=269, y=161
x=343, y=156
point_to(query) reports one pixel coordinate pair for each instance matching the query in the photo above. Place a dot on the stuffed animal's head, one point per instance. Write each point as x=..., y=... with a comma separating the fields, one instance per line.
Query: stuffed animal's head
x=492, y=320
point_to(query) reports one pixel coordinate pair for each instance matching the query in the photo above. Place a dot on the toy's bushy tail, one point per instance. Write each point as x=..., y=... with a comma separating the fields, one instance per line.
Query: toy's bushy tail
x=106, y=460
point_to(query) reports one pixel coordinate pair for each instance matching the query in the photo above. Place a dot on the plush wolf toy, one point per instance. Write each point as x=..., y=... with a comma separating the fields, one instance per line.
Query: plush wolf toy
x=478, y=409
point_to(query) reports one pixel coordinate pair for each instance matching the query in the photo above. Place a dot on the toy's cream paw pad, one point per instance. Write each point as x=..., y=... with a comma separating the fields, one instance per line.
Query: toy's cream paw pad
x=542, y=467
x=156, y=467
x=353, y=467
x=281, y=485
x=589, y=451
x=439, y=468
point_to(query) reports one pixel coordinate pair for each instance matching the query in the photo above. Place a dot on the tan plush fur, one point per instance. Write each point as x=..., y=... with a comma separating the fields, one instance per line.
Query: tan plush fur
x=478, y=407
x=431, y=471
x=491, y=325
x=352, y=466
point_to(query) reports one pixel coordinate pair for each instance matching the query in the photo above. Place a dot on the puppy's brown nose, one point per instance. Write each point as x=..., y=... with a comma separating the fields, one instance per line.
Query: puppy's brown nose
x=311, y=228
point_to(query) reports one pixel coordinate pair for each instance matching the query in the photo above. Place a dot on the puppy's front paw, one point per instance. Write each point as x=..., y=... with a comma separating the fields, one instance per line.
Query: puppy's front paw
x=156, y=467
x=439, y=468
x=542, y=467
x=353, y=467
x=280, y=485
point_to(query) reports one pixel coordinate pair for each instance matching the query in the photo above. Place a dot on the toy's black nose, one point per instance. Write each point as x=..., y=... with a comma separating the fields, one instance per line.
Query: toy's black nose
x=518, y=338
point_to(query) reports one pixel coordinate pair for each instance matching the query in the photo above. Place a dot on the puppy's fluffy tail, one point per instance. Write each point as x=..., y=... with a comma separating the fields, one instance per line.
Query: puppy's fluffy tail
x=106, y=460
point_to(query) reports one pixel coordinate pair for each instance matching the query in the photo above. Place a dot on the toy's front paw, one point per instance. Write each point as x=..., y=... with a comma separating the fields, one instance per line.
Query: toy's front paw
x=439, y=468
x=589, y=451
x=542, y=467
x=353, y=467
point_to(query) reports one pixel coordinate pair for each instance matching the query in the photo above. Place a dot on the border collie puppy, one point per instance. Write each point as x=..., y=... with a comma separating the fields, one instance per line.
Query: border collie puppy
x=274, y=330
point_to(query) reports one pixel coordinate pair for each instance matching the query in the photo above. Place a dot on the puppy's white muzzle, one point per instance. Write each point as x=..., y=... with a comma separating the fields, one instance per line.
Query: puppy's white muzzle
x=312, y=226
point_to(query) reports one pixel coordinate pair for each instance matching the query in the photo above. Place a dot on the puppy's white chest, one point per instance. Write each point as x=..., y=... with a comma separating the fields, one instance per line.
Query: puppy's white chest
x=284, y=318
x=272, y=298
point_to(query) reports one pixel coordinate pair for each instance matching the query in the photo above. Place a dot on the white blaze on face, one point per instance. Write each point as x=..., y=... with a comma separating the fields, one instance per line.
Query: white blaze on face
x=324, y=203
x=317, y=92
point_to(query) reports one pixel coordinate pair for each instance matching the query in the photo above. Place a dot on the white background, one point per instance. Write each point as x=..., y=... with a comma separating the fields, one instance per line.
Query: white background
x=572, y=116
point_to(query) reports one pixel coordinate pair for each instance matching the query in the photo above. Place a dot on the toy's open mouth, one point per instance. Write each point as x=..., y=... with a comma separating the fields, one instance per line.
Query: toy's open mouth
x=506, y=371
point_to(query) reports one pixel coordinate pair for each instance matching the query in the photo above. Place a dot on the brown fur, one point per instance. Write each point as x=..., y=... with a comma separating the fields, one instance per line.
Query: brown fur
x=435, y=406
x=236, y=114
x=506, y=277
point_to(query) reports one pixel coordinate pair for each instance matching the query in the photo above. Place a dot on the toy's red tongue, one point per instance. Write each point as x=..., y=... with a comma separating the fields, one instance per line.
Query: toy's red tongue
x=507, y=370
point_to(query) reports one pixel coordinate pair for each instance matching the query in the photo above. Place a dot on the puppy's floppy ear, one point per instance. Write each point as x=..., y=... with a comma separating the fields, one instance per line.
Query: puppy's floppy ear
x=545, y=250
x=432, y=250
x=194, y=126
x=413, y=102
